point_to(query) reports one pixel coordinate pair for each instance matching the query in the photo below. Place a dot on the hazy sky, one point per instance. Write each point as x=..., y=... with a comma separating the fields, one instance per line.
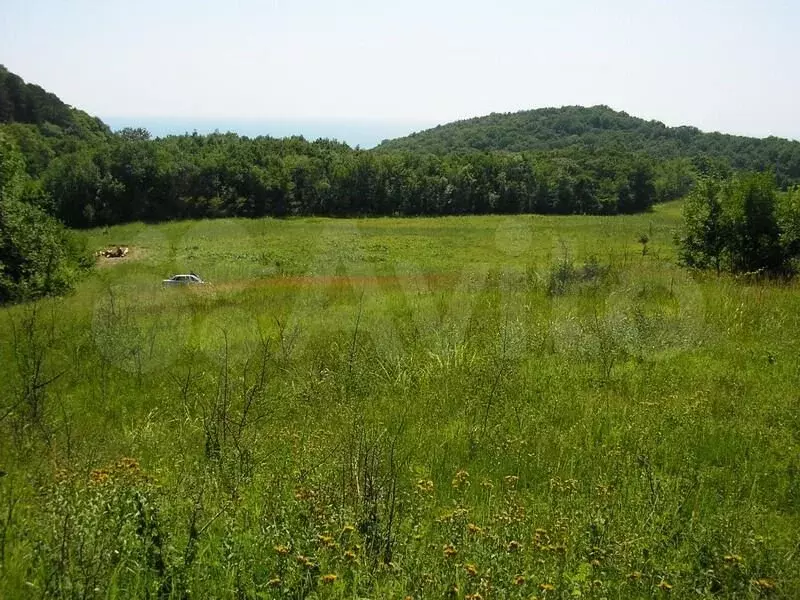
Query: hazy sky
x=721, y=65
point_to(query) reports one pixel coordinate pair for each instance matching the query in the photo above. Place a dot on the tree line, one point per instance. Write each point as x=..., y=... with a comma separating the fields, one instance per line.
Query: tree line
x=130, y=177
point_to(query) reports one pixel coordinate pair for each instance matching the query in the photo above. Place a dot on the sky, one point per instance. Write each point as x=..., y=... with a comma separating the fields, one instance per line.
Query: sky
x=727, y=66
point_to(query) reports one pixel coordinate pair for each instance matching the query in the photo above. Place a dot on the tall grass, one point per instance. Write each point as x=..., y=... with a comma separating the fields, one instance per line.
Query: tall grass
x=467, y=408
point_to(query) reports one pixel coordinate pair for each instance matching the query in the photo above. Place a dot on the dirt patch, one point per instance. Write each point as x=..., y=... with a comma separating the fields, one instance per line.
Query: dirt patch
x=117, y=255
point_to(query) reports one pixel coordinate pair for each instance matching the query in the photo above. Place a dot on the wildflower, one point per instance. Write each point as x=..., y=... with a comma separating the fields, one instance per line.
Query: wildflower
x=329, y=578
x=766, y=584
x=487, y=485
x=733, y=559
x=130, y=464
x=326, y=541
x=461, y=479
x=635, y=576
x=513, y=546
x=664, y=586
x=350, y=555
x=301, y=494
x=425, y=486
x=547, y=587
x=472, y=528
x=307, y=562
x=99, y=476
x=511, y=480
x=450, y=551
x=348, y=529
x=471, y=569
x=595, y=563
x=519, y=580
x=282, y=550
x=274, y=582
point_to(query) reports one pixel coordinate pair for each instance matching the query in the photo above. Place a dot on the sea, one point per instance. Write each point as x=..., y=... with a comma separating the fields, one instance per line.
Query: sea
x=356, y=133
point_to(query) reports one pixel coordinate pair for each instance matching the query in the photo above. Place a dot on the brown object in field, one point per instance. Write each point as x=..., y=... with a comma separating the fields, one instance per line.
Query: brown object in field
x=118, y=252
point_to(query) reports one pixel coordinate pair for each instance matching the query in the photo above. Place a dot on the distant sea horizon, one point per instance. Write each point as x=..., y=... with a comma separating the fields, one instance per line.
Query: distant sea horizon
x=362, y=133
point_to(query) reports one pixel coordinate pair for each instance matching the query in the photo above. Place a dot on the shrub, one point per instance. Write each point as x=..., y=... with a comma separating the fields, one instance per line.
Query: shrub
x=564, y=274
x=740, y=225
x=38, y=256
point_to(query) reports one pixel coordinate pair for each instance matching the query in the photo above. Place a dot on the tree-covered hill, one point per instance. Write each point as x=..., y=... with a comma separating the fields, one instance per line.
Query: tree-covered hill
x=41, y=124
x=601, y=129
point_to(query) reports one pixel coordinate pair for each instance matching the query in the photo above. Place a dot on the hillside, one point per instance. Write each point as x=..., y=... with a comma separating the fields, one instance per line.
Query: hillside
x=41, y=124
x=600, y=128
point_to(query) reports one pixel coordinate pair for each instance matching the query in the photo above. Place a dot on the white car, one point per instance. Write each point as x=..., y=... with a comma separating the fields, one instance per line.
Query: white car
x=191, y=279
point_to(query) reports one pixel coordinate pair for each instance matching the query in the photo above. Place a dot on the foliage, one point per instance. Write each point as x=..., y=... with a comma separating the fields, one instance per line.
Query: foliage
x=742, y=225
x=85, y=176
x=600, y=129
x=132, y=178
x=37, y=255
x=22, y=102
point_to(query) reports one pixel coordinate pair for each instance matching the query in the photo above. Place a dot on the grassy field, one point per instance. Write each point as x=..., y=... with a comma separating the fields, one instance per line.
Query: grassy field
x=477, y=407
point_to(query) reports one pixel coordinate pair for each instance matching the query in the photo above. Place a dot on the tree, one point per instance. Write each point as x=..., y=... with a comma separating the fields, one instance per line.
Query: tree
x=741, y=225
x=37, y=255
x=752, y=225
x=702, y=239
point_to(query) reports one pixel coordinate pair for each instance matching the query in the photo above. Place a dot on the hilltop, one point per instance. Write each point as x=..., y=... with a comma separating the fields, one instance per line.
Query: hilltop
x=602, y=129
x=42, y=124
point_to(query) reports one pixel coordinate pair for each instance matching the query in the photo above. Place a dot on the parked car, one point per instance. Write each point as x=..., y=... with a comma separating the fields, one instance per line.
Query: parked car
x=190, y=279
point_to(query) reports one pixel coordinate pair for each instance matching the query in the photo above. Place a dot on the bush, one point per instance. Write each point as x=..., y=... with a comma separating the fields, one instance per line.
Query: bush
x=741, y=225
x=38, y=256
x=564, y=274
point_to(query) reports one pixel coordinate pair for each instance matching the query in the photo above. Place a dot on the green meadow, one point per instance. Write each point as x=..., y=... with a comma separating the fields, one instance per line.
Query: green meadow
x=456, y=407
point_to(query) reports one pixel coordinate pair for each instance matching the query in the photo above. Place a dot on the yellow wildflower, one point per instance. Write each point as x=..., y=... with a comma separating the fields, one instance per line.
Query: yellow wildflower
x=733, y=558
x=461, y=479
x=329, y=578
x=766, y=584
x=425, y=486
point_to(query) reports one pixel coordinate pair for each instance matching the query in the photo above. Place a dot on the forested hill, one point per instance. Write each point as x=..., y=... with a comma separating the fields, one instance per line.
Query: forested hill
x=43, y=126
x=600, y=128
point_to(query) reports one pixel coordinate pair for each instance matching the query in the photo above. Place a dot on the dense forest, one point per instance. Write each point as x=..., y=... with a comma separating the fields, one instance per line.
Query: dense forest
x=554, y=161
x=600, y=129
x=82, y=173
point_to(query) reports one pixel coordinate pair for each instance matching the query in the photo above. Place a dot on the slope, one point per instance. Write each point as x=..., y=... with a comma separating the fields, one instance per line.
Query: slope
x=602, y=129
